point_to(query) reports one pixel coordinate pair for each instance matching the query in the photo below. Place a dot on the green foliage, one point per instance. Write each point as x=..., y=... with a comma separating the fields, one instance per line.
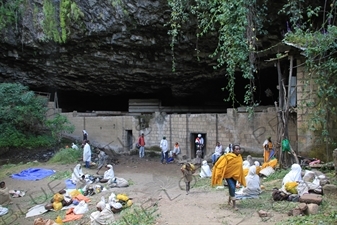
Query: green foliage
x=69, y=13
x=236, y=24
x=50, y=26
x=9, y=12
x=66, y=156
x=279, y=174
x=319, y=47
x=59, y=125
x=23, y=119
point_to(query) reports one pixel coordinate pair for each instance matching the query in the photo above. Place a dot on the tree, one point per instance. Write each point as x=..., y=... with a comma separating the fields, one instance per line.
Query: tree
x=23, y=121
x=238, y=25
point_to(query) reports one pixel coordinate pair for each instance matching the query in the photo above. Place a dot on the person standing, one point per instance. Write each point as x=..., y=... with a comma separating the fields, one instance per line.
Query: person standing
x=164, y=150
x=229, y=167
x=4, y=194
x=217, y=152
x=268, y=151
x=87, y=154
x=102, y=158
x=141, y=142
x=188, y=169
x=85, y=135
x=199, y=143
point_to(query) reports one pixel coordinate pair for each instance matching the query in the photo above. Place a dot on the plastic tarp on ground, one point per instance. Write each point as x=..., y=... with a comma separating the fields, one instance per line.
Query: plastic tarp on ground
x=33, y=174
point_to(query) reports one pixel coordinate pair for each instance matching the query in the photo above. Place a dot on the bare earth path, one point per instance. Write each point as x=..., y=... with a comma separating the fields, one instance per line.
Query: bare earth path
x=152, y=184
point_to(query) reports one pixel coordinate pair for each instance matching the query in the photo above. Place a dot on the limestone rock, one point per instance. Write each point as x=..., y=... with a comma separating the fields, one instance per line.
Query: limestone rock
x=311, y=198
x=330, y=190
x=311, y=209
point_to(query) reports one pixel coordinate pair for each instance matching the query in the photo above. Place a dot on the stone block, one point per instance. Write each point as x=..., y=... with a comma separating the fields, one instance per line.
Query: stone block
x=312, y=209
x=330, y=190
x=311, y=198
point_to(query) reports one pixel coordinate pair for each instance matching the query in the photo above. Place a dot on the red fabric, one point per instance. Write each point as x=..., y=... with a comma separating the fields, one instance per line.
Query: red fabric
x=141, y=141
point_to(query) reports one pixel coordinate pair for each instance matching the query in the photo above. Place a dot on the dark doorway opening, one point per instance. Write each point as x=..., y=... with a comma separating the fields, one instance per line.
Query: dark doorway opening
x=193, y=146
x=129, y=139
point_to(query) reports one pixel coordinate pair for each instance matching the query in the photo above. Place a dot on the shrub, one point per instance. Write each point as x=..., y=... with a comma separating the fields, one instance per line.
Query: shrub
x=66, y=156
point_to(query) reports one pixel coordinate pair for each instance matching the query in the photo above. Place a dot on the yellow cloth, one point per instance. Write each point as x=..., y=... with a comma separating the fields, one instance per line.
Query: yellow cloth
x=291, y=187
x=228, y=166
x=272, y=163
x=258, y=169
x=245, y=172
x=266, y=151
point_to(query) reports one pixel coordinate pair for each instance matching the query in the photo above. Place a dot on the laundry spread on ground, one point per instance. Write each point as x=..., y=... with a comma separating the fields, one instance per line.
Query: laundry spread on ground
x=33, y=174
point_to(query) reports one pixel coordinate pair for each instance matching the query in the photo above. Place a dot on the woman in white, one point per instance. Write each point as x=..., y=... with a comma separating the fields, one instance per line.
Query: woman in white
x=108, y=175
x=252, y=188
x=205, y=170
x=77, y=174
x=103, y=215
x=293, y=175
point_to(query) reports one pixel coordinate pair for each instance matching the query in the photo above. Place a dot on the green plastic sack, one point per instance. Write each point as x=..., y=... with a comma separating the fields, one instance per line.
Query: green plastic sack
x=285, y=145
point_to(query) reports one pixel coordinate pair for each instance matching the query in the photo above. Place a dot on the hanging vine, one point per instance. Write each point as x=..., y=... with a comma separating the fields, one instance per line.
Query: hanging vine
x=235, y=23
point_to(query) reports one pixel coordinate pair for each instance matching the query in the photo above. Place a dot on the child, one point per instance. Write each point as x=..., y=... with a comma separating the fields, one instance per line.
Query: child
x=188, y=169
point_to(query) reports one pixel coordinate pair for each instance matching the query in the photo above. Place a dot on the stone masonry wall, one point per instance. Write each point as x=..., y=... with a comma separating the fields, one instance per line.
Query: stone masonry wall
x=120, y=133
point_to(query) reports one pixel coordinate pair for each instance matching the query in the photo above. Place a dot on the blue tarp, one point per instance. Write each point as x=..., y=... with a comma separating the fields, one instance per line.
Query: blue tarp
x=33, y=174
x=69, y=184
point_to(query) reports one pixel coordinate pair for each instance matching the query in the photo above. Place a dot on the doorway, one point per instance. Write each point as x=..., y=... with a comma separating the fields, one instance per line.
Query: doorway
x=193, y=146
x=129, y=140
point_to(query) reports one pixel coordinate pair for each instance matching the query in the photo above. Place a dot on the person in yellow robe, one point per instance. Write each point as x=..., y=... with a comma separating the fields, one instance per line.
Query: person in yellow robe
x=267, y=149
x=229, y=167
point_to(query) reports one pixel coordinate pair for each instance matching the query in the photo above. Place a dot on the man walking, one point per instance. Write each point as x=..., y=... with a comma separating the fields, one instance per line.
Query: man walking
x=229, y=167
x=164, y=150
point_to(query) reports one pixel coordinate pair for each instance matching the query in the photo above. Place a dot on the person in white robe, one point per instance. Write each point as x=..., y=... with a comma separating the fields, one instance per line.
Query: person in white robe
x=77, y=174
x=108, y=175
x=87, y=154
x=205, y=170
x=253, y=188
x=294, y=175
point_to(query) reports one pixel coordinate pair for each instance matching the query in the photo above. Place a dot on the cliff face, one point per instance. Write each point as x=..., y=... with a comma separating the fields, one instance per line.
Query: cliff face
x=114, y=49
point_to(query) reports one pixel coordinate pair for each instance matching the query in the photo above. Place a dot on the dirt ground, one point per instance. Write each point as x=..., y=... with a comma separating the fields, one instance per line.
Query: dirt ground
x=152, y=185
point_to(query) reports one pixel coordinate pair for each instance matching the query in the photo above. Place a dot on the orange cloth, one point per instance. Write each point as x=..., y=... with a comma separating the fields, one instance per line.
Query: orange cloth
x=81, y=197
x=228, y=166
x=70, y=216
x=266, y=151
x=245, y=172
x=258, y=169
x=272, y=163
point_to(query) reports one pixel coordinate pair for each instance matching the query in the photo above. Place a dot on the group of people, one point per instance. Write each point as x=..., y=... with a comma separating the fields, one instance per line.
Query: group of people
x=167, y=155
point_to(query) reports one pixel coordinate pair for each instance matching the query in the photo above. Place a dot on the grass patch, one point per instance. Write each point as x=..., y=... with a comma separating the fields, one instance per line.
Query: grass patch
x=131, y=182
x=8, y=169
x=279, y=174
x=138, y=216
x=66, y=156
x=60, y=175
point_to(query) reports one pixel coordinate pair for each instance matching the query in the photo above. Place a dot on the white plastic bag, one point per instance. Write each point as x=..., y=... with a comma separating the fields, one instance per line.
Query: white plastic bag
x=81, y=208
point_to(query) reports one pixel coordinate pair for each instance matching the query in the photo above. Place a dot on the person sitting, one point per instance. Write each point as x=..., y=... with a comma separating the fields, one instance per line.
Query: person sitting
x=258, y=167
x=105, y=213
x=205, y=170
x=252, y=189
x=108, y=175
x=4, y=194
x=217, y=152
x=176, y=150
x=293, y=176
x=77, y=174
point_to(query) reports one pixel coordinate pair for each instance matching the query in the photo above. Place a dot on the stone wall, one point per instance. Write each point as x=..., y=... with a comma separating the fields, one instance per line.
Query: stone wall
x=120, y=133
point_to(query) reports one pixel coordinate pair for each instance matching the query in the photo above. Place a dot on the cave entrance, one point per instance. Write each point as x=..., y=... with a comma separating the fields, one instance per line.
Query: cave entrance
x=193, y=146
x=129, y=139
